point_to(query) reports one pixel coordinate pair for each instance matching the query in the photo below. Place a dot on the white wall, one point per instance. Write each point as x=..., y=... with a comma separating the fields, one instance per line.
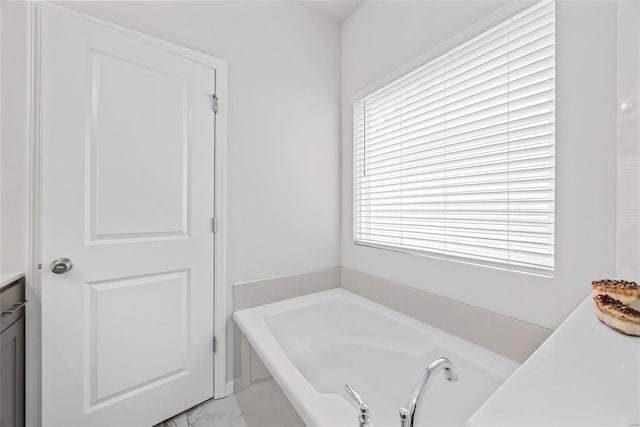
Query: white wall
x=13, y=134
x=628, y=212
x=283, y=127
x=386, y=35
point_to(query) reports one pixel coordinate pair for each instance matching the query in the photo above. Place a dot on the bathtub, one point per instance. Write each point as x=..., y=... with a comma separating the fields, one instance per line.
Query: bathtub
x=313, y=345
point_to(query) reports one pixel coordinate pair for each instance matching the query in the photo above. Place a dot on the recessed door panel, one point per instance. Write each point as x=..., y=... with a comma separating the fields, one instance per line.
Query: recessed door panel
x=138, y=333
x=138, y=151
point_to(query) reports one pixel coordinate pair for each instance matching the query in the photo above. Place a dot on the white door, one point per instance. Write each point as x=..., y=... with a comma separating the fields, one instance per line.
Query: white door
x=127, y=187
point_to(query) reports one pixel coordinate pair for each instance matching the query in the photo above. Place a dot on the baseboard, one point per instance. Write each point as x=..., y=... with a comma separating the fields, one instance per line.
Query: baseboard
x=231, y=386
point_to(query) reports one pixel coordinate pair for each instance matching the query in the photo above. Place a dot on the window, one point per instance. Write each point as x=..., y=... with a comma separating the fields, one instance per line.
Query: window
x=456, y=158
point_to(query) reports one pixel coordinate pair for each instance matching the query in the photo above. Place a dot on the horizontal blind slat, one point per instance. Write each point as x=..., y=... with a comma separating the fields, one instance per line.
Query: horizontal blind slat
x=527, y=115
x=434, y=69
x=537, y=127
x=504, y=91
x=537, y=61
x=538, y=171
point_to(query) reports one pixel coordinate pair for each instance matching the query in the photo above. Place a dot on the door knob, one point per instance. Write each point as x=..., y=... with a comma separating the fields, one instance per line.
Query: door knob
x=61, y=265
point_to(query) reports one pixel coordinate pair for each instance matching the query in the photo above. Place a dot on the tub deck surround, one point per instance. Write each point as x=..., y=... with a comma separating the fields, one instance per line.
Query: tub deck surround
x=265, y=291
x=585, y=374
x=314, y=344
x=505, y=335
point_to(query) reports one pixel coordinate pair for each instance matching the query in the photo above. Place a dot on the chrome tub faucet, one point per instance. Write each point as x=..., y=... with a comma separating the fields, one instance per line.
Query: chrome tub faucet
x=408, y=413
x=363, y=418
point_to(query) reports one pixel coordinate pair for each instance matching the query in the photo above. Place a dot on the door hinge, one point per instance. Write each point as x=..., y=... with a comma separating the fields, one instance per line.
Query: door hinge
x=215, y=104
x=214, y=225
x=215, y=344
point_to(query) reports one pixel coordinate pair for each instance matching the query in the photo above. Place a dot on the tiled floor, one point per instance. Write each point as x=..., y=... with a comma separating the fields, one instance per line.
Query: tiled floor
x=262, y=404
x=223, y=412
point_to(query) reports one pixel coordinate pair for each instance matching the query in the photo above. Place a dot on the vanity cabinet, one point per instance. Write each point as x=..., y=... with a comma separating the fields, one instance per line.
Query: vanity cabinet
x=12, y=330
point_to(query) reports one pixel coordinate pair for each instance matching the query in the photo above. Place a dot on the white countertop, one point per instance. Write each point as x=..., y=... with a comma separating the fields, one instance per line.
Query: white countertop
x=584, y=374
x=9, y=278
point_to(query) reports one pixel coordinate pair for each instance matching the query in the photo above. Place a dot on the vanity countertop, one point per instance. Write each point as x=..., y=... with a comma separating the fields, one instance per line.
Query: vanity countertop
x=9, y=278
x=584, y=374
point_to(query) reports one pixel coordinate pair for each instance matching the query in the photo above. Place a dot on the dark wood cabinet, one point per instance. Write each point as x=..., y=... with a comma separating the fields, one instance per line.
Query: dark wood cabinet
x=12, y=331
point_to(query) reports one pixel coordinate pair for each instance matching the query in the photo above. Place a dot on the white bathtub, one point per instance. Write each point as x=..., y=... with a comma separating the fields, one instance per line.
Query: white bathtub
x=314, y=344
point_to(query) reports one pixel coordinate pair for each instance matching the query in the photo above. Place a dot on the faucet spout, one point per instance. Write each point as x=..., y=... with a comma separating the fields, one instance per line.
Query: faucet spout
x=408, y=413
x=363, y=417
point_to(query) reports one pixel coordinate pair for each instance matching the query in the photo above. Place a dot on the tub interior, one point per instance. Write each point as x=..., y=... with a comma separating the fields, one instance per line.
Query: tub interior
x=334, y=342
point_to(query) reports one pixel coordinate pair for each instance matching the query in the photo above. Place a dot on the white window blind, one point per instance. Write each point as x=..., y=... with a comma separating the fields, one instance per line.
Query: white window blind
x=456, y=158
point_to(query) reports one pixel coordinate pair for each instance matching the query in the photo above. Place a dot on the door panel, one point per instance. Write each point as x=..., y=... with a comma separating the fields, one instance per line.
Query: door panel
x=131, y=196
x=145, y=361
x=127, y=146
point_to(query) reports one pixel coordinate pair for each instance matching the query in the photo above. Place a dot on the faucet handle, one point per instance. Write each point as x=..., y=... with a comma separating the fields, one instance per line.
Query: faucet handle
x=364, y=408
x=354, y=395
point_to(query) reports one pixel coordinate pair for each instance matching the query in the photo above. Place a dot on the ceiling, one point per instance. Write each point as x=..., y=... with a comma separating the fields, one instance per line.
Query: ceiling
x=336, y=10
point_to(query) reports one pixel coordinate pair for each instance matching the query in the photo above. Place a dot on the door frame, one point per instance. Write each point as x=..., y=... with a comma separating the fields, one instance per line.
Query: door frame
x=35, y=263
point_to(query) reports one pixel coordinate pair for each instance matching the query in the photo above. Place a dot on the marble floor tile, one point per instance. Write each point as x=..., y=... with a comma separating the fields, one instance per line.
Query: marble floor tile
x=179, y=420
x=262, y=404
x=216, y=413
